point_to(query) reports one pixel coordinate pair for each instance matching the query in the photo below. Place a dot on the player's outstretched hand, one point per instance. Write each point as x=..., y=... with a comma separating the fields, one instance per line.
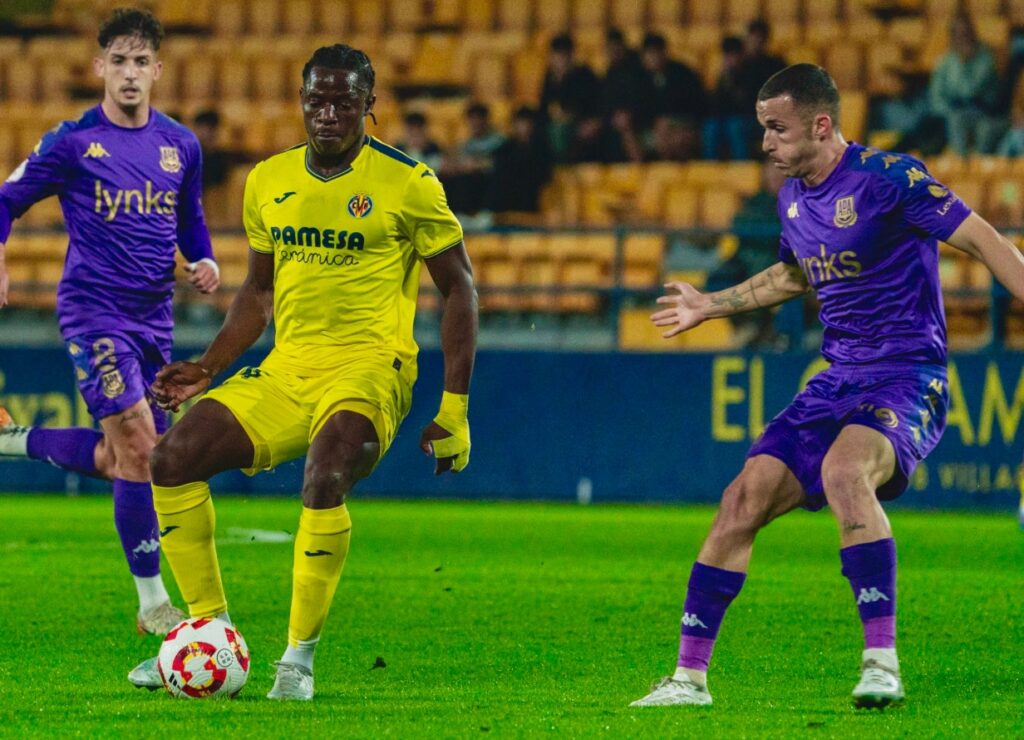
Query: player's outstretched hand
x=685, y=309
x=447, y=436
x=204, y=275
x=179, y=382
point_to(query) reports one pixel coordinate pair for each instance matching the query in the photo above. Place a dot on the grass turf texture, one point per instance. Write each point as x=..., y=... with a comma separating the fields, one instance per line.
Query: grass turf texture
x=518, y=620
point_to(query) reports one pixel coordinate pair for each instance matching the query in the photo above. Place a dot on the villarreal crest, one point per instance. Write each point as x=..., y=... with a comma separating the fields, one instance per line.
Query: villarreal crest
x=169, y=160
x=359, y=206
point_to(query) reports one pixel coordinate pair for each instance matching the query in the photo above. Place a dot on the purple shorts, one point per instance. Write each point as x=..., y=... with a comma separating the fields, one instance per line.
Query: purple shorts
x=906, y=403
x=114, y=370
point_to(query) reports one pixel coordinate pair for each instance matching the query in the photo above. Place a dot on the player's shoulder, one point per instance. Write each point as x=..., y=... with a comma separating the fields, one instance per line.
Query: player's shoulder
x=65, y=131
x=900, y=170
x=164, y=123
x=291, y=159
x=394, y=159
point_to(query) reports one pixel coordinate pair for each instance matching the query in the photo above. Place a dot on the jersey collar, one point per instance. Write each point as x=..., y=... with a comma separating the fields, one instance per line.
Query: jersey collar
x=321, y=178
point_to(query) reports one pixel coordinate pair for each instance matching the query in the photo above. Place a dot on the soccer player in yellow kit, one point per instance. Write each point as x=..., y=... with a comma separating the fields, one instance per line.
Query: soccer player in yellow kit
x=338, y=228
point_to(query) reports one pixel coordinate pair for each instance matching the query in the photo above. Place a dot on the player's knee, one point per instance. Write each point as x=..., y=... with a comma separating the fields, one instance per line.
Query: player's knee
x=165, y=462
x=327, y=482
x=742, y=508
x=844, y=480
x=132, y=455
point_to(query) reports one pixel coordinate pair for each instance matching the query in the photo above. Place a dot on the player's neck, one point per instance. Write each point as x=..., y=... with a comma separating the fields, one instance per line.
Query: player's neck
x=826, y=162
x=136, y=117
x=328, y=165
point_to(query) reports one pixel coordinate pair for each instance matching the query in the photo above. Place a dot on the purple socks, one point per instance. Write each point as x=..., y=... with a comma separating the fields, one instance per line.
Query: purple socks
x=871, y=569
x=136, y=523
x=70, y=449
x=709, y=594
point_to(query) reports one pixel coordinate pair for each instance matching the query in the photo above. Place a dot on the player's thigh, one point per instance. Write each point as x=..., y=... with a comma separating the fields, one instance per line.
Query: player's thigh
x=206, y=441
x=273, y=409
x=861, y=456
x=131, y=433
x=108, y=369
x=764, y=490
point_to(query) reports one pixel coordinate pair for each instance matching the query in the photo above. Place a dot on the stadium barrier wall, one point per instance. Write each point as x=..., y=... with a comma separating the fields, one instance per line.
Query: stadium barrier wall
x=597, y=427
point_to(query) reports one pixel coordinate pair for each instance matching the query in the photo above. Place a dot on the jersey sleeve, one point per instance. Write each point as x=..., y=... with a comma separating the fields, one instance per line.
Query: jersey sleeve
x=426, y=219
x=255, y=229
x=925, y=203
x=193, y=236
x=41, y=175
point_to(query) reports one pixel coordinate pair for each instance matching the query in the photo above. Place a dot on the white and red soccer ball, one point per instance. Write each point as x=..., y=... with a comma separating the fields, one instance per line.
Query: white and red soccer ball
x=203, y=658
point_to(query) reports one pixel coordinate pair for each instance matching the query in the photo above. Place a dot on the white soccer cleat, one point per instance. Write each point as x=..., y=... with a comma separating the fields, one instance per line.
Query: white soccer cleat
x=13, y=439
x=160, y=619
x=293, y=683
x=880, y=683
x=146, y=675
x=670, y=691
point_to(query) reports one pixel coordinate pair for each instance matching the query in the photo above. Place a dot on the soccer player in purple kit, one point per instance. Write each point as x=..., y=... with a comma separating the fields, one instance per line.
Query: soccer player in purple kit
x=129, y=183
x=859, y=227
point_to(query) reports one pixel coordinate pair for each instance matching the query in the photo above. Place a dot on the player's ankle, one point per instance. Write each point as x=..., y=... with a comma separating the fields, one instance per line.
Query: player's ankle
x=691, y=674
x=300, y=655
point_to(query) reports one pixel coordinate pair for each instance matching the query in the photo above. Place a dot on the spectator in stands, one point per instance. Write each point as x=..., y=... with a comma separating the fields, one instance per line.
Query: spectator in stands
x=625, y=81
x=1012, y=144
x=522, y=165
x=417, y=143
x=676, y=90
x=964, y=90
x=732, y=120
x=756, y=226
x=467, y=175
x=613, y=140
x=571, y=93
x=671, y=140
x=758, y=64
x=216, y=160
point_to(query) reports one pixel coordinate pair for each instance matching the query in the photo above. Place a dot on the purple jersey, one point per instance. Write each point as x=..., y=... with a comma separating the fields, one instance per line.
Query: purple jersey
x=866, y=240
x=129, y=195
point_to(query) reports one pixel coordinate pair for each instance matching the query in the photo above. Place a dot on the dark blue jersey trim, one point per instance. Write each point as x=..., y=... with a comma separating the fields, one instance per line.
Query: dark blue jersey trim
x=393, y=153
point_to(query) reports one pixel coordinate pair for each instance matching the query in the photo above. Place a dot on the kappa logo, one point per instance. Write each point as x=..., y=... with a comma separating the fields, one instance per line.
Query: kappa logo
x=95, y=151
x=692, y=620
x=793, y=211
x=147, y=546
x=870, y=596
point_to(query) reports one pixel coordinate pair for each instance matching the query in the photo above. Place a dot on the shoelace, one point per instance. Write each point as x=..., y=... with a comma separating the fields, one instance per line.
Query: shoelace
x=289, y=677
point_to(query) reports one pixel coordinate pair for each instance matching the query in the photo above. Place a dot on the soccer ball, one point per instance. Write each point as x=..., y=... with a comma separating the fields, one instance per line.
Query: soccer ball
x=201, y=658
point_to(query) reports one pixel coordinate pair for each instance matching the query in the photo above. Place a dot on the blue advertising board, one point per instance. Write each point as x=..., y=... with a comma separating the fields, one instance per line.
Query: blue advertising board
x=599, y=426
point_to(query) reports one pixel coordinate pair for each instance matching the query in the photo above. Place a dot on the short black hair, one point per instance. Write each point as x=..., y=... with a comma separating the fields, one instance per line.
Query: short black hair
x=131, y=22
x=812, y=88
x=654, y=42
x=478, y=109
x=562, y=42
x=207, y=117
x=759, y=26
x=526, y=113
x=342, y=56
x=614, y=36
x=732, y=45
x=415, y=118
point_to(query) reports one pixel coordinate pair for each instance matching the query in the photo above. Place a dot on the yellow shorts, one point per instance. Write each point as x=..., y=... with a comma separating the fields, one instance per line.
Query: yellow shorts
x=283, y=411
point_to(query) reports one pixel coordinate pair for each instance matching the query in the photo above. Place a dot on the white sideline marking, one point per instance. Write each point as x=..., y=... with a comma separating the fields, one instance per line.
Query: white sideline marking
x=240, y=536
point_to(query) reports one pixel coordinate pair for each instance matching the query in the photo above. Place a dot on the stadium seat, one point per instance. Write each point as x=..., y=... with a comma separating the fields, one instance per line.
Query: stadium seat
x=717, y=208
x=662, y=14
x=818, y=11
x=628, y=13
x=405, y=15
x=802, y=54
x=845, y=63
x=435, y=59
x=853, y=114
x=741, y=12
x=515, y=15
x=1015, y=12
x=642, y=260
x=681, y=206
x=330, y=17
x=229, y=18
x=263, y=17
x=589, y=14
x=883, y=59
x=368, y=16
x=638, y=332
x=705, y=13
x=782, y=11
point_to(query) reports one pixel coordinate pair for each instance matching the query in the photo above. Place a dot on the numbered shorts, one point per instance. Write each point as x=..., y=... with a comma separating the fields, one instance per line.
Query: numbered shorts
x=282, y=411
x=115, y=369
x=906, y=403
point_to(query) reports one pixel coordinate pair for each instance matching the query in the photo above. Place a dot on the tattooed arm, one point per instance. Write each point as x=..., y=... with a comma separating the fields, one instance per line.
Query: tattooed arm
x=687, y=307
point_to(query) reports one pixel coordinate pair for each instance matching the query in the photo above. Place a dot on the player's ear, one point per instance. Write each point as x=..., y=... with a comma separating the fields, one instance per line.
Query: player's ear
x=369, y=105
x=822, y=126
x=158, y=69
x=98, y=65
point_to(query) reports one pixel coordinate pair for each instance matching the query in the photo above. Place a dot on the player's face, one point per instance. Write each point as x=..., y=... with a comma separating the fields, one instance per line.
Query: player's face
x=789, y=141
x=128, y=67
x=334, y=104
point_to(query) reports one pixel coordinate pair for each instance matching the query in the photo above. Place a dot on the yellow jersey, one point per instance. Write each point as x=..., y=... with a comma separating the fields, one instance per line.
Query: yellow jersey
x=347, y=251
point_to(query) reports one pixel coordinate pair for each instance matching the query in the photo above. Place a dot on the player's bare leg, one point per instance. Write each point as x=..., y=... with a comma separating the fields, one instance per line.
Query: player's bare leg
x=858, y=463
x=207, y=441
x=343, y=451
x=764, y=490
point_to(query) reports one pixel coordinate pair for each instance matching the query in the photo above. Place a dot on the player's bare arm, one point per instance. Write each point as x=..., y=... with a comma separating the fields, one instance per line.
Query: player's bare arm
x=452, y=273
x=978, y=238
x=249, y=315
x=687, y=307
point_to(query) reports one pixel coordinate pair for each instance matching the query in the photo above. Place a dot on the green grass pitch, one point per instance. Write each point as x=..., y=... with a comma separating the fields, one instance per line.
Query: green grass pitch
x=518, y=620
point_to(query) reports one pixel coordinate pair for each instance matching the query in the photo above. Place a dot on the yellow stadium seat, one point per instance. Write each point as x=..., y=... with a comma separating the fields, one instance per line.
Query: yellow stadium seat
x=21, y=271
x=234, y=79
x=853, y=113
x=368, y=16
x=818, y=11
x=866, y=30
x=802, y=54
x=718, y=208
x=739, y=12
x=664, y=14
x=199, y=78
x=642, y=260
x=845, y=62
x=228, y=18
x=527, y=75
x=405, y=15
x=589, y=14
x=744, y=177
x=299, y=17
x=782, y=11
x=21, y=79
x=1015, y=12
x=515, y=15
x=681, y=206
x=44, y=214
x=490, y=77
x=265, y=17
x=479, y=15
x=552, y=15
x=1006, y=201
x=883, y=59
x=331, y=18
x=628, y=13
x=434, y=59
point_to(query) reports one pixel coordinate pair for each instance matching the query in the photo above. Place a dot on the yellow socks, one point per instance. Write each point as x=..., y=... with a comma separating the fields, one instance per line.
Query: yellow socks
x=321, y=545
x=187, y=523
